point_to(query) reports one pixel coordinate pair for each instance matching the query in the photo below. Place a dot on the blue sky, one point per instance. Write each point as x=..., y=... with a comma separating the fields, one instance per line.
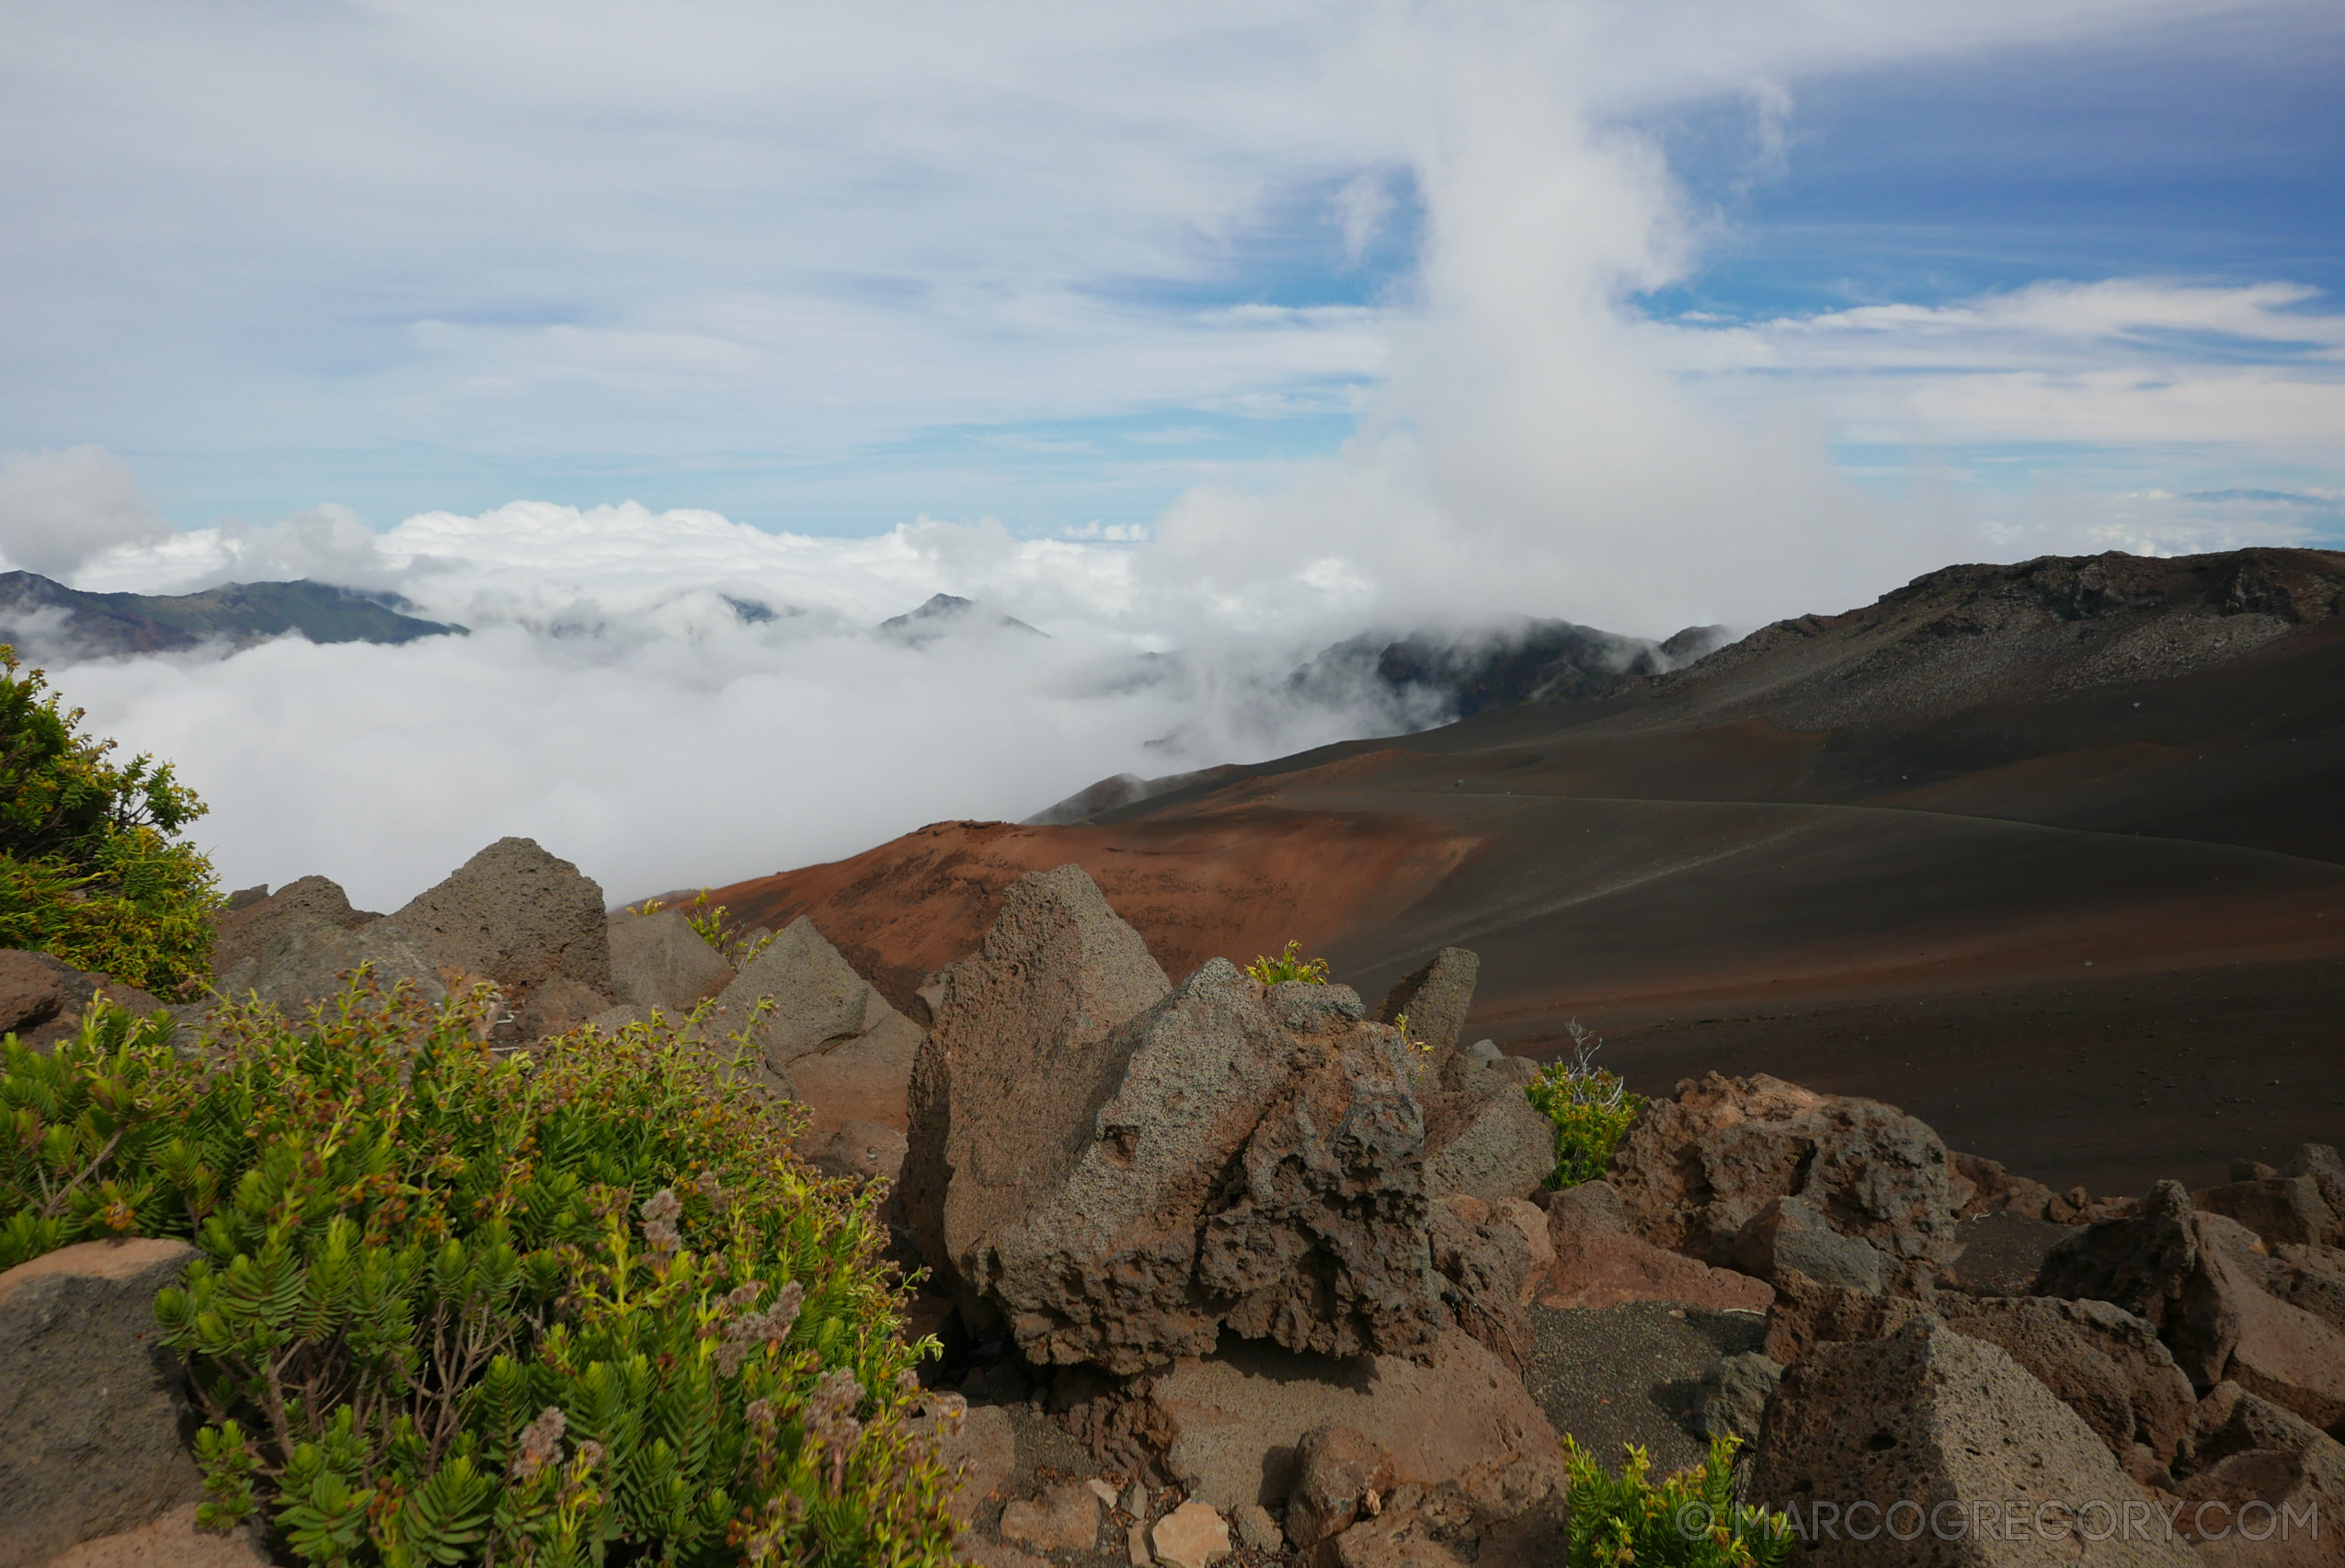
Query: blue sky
x=841, y=270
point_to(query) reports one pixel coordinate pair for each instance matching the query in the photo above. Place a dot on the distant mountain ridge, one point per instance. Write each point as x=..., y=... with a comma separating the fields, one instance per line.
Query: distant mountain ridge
x=38, y=612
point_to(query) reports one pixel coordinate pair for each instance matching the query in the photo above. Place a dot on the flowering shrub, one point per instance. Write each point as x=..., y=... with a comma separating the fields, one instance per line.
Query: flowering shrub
x=565, y=1307
x=1690, y=1520
x=1288, y=965
x=1591, y=1107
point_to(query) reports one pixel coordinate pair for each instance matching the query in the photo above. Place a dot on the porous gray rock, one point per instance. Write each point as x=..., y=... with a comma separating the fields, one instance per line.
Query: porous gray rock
x=1788, y=1234
x=243, y=930
x=1485, y=1260
x=1695, y=1168
x=1731, y=1399
x=91, y=1403
x=828, y=1040
x=559, y=1007
x=1257, y=1531
x=515, y=915
x=1931, y=1417
x=1434, y=999
x=2278, y=1209
x=1336, y=1469
x=1020, y=1024
x=300, y=965
x=659, y=961
x=1483, y=1138
x=2098, y=1359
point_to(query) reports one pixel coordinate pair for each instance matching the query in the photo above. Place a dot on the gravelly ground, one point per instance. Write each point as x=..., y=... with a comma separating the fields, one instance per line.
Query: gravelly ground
x=1615, y=1375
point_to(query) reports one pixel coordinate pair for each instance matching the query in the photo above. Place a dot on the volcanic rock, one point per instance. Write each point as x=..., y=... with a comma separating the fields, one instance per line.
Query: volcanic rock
x=2320, y=1161
x=830, y=1040
x=299, y=964
x=1227, y=1426
x=1788, y=1234
x=1696, y=1169
x=48, y=997
x=1192, y=1536
x=1599, y=1262
x=172, y=1541
x=515, y=915
x=1065, y=1518
x=1482, y=1138
x=1435, y=999
x=2098, y=1359
x=1995, y=1190
x=91, y=1403
x=1932, y=1417
x=1806, y=1314
x=659, y=961
x=1732, y=1400
x=1337, y=1468
x=2249, y=1454
x=243, y=930
x=1486, y=1262
x=2277, y=1208
x=864, y=1151
x=2224, y=1307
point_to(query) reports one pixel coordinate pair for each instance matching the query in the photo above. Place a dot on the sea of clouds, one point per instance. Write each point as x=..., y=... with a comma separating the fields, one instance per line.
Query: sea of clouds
x=1526, y=441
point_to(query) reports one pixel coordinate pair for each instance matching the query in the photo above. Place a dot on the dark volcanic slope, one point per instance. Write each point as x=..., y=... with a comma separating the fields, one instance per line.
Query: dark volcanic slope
x=2048, y=853
x=46, y=614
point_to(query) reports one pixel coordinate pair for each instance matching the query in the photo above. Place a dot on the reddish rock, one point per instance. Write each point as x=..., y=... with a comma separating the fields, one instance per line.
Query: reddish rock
x=1339, y=1476
x=1805, y=1314
x=2100, y=1361
x=1599, y=1263
x=2278, y=1209
x=1697, y=1168
x=1192, y=1536
x=1065, y=1518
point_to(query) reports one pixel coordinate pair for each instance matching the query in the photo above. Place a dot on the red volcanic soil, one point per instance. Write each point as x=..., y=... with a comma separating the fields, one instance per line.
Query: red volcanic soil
x=2053, y=856
x=1237, y=886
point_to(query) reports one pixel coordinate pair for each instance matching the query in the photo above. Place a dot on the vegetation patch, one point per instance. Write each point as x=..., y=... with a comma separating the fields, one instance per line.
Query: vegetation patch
x=1289, y=964
x=92, y=867
x=1689, y=1520
x=1591, y=1107
x=570, y=1306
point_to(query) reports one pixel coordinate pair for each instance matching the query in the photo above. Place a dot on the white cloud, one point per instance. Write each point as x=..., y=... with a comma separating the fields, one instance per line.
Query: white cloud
x=59, y=508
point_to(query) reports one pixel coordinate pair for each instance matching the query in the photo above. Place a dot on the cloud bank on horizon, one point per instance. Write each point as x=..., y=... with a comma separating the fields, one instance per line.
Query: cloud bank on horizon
x=1225, y=332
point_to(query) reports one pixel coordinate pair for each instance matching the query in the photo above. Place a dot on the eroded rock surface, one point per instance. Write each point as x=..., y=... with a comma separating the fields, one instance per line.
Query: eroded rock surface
x=516, y=915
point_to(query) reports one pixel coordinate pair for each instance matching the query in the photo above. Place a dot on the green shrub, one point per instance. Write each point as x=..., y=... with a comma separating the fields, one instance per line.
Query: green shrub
x=1690, y=1520
x=570, y=1306
x=91, y=868
x=1288, y=965
x=1591, y=1107
x=714, y=929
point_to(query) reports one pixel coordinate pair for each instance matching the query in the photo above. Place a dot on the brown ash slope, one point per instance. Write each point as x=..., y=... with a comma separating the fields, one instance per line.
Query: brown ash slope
x=2050, y=855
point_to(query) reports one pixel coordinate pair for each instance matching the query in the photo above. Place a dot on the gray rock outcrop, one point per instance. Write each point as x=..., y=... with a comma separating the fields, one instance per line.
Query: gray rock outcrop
x=2264, y=1486
x=2278, y=1209
x=830, y=1040
x=243, y=930
x=1788, y=1234
x=90, y=1403
x=515, y=915
x=1482, y=1138
x=1434, y=999
x=1931, y=1417
x=300, y=964
x=2098, y=1359
x=1695, y=1169
x=659, y=961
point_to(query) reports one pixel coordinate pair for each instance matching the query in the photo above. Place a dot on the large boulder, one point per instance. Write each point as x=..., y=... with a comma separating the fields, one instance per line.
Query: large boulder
x=1808, y=1312
x=2264, y=1489
x=515, y=915
x=298, y=965
x=244, y=929
x=1483, y=1138
x=1434, y=999
x=91, y=1403
x=830, y=1040
x=1696, y=1169
x=659, y=961
x=2278, y=1209
x=1206, y=1164
x=43, y=999
x=1943, y=1422
x=1600, y=1262
x=2225, y=1307
x=1225, y=1427
x=1788, y=1234
x=2100, y=1361
x=2321, y=1162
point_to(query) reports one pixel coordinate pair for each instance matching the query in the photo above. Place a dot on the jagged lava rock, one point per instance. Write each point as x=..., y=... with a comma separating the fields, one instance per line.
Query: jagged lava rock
x=1018, y=1027
x=43, y=998
x=1807, y=1313
x=2098, y=1359
x=1932, y=1417
x=1599, y=1262
x=299, y=964
x=1695, y=1169
x=2320, y=1161
x=2220, y=1300
x=1483, y=1137
x=2277, y=1208
x=90, y=1401
x=659, y=960
x=831, y=1041
x=1788, y=1234
x=243, y=930
x=1435, y=999
x=516, y=915
x=1335, y=1469
x=2248, y=1453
